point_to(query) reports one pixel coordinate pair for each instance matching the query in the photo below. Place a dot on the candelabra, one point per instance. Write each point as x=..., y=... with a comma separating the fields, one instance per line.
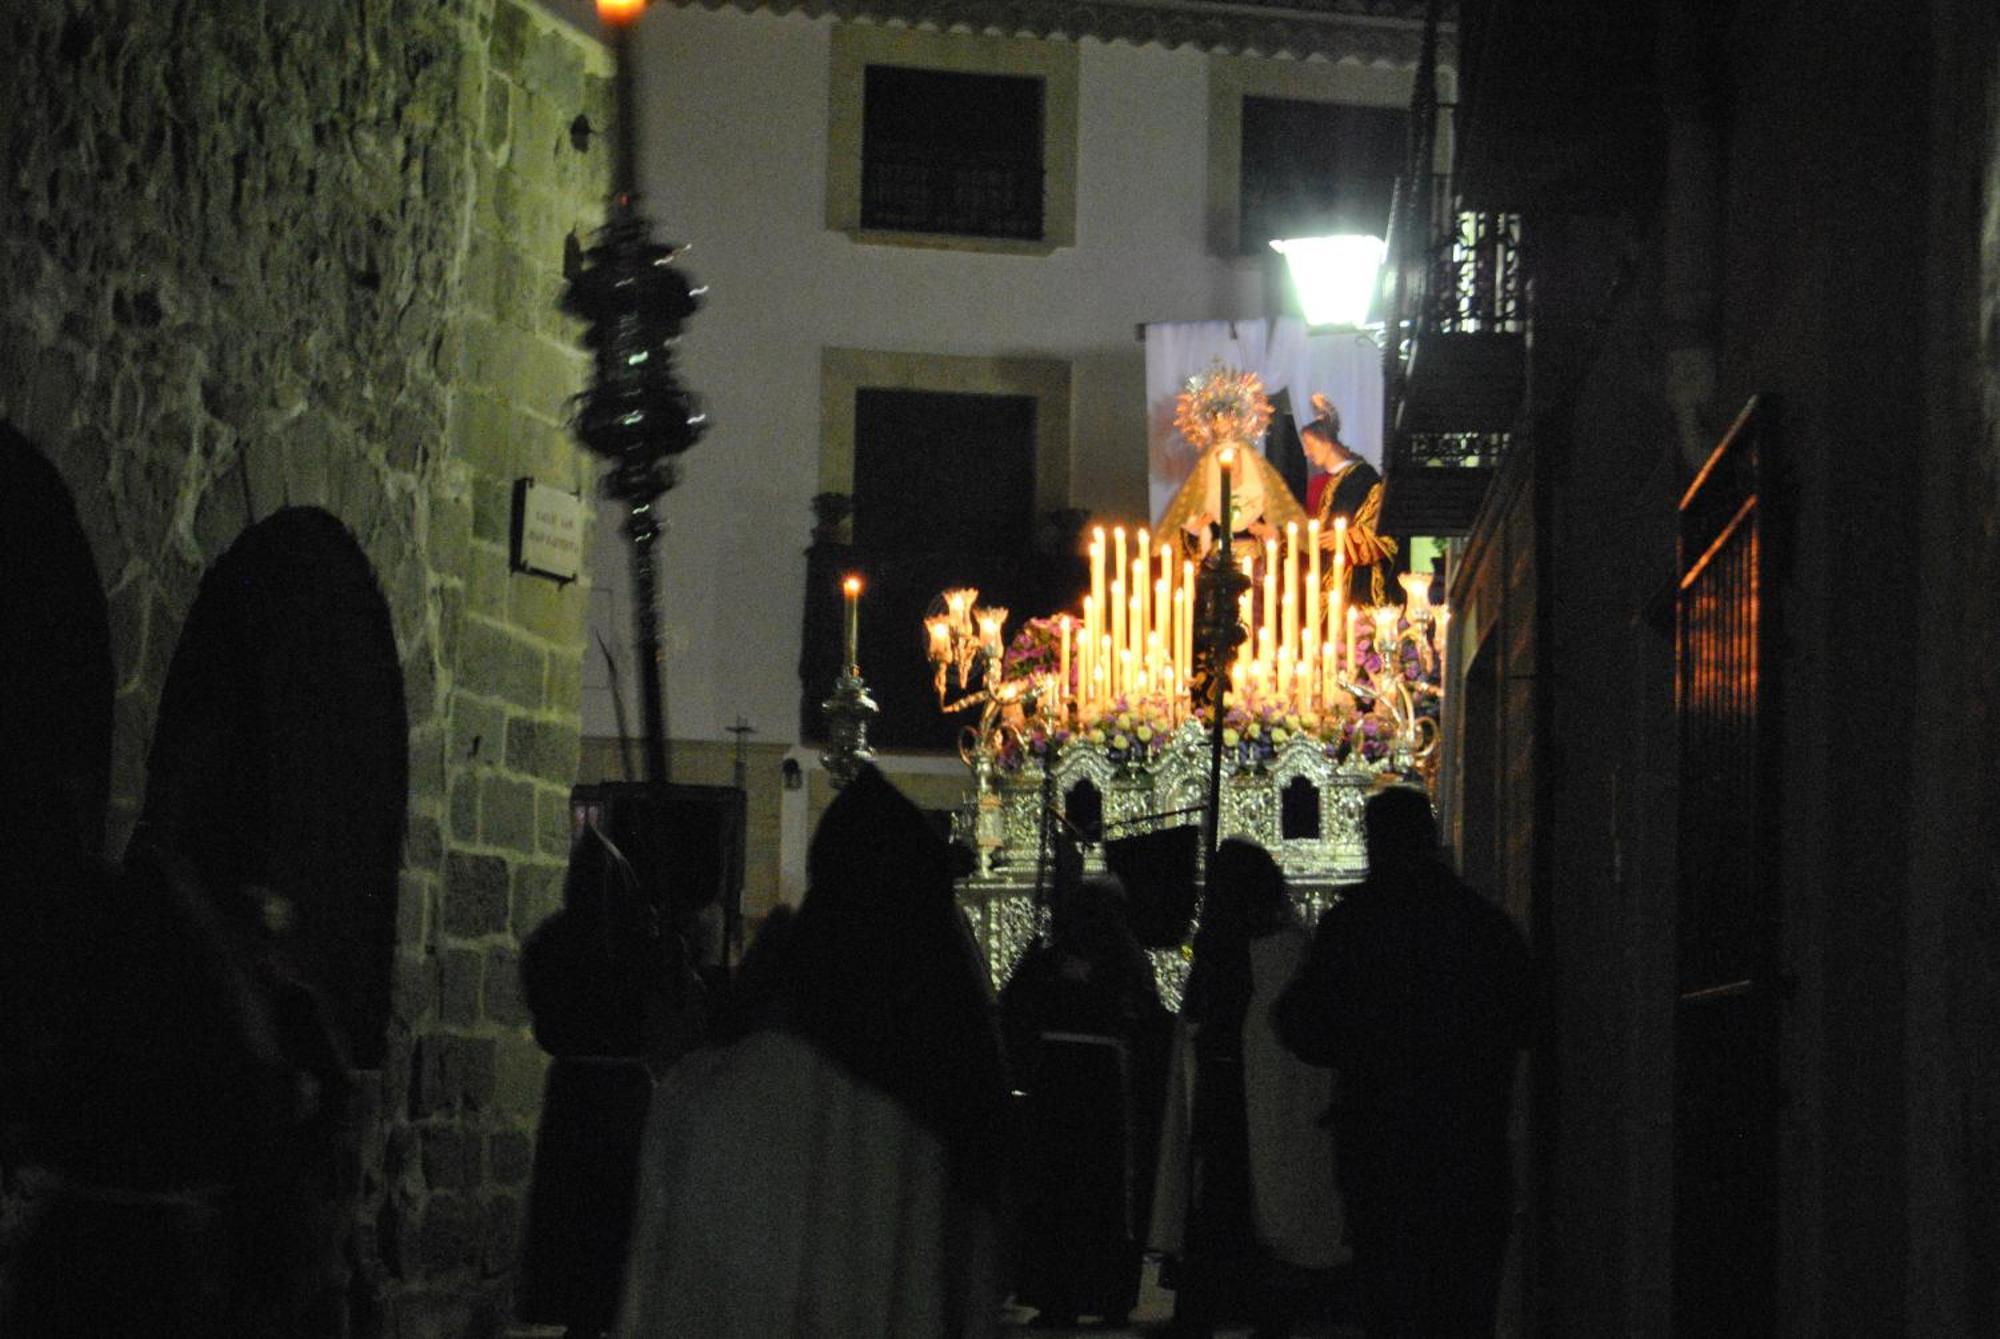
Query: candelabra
x=635, y=414
x=850, y=709
x=967, y=653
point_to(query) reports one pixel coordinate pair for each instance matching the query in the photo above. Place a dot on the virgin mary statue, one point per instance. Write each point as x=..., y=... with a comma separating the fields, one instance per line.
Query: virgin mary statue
x=1224, y=408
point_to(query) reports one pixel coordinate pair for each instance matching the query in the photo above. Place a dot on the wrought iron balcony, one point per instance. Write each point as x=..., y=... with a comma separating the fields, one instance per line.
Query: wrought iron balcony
x=1455, y=360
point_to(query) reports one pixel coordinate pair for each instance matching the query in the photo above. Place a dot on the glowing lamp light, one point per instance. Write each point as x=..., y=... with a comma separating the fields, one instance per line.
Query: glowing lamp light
x=990, y=623
x=618, y=13
x=1335, y=276
x=1416, y=595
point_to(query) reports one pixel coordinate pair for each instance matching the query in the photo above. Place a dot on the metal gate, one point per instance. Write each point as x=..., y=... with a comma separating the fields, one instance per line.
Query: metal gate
x=1726, y=1092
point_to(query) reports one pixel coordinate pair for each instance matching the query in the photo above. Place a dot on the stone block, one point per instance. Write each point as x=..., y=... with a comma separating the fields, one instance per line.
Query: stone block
x=396, y=1234
x=478, y=735
x=483, y=430
x=494, y=132
x=553, y=68
x=507, y=813
x=500, y=998
x=538, y=895
x=510, y=1158
x=462, y=808
x=488, y=573
x=423, y=843
x=513, y=32
x=451, y=1075
x=564, y=690
x=453, y=1234
x=548, y=609
x=459, y=974
x=427, y=767
x=451, y=517
x=475, y=894
x=413, y=988
x=520, y=1068
x=552, y=821
x=501, y=1245
x=543, y=748
x=497, y=663
x=492, y=507
x=451, y=1158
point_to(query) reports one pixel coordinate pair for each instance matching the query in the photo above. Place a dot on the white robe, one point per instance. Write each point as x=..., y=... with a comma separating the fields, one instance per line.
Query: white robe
x=1294, y=1204
x=778, y=1196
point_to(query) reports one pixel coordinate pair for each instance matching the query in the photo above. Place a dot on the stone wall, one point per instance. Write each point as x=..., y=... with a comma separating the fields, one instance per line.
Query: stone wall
x=263, y=256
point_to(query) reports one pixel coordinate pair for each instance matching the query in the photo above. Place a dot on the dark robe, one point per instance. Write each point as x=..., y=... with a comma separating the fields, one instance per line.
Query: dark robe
x=834, y=1165
x=1087, y=1040
x=1416, y=992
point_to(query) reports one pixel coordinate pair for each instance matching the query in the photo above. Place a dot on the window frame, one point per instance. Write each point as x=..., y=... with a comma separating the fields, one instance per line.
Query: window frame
x=845, y=372
x=857, y=46
x=1231, y=79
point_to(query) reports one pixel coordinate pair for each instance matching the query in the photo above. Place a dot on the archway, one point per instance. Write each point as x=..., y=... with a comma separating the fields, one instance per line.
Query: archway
x=55, y=655
x=281, y=753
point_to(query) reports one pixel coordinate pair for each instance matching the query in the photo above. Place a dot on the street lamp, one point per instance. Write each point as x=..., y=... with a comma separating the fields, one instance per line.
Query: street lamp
x=1336, y=276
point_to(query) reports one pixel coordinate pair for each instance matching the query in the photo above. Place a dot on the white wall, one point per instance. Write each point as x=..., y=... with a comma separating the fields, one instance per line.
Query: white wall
x=734, y=161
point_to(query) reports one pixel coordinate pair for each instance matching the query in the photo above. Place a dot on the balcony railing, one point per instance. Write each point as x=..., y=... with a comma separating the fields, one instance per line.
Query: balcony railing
x=1454, y=360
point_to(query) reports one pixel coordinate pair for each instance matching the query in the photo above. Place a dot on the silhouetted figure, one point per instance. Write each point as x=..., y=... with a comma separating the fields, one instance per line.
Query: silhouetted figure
x=1246, y=1203
x=614, y=999
x=835, y=1170
x=1087, y=1040
x=177, y=1100
x=1417, y=994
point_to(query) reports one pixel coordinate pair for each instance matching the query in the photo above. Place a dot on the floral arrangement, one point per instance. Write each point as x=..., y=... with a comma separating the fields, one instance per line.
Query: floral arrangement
x=1135, y=731
x=1222, y=405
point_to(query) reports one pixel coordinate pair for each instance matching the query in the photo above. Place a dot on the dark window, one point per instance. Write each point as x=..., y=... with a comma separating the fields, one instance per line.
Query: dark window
x=951, y=153
x=1298, y=817
x=1315, y=168
x=943, y=472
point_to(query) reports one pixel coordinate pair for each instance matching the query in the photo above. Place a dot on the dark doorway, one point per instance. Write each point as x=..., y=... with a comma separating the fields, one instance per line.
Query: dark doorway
x=281, y=754
x=55, y=656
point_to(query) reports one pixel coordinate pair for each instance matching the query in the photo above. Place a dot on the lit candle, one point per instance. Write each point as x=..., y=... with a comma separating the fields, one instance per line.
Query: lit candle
x=1353, y=619
x=1286, y=651
x=1290, y=641
x=1340, y=588
x=1271, y=591
x=1142, y=584
x=1385, y=635
x=991, y=621
x=1441, y=635
x=959, y=603
x=1118, y=611
x=1141, y=602
x=852, y=587
x=1118, y=552
x=620, y=12
x=1416, y=595
x=1164, y=614
x=1313, y=593
x=1186, y=615
x=1329, y=668
x=1085, y=658
x=938, y=629
x=1062, y=666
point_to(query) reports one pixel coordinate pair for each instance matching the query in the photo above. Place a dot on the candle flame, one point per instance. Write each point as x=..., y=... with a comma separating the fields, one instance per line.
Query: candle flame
x=618, y=13
x=852, y=585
